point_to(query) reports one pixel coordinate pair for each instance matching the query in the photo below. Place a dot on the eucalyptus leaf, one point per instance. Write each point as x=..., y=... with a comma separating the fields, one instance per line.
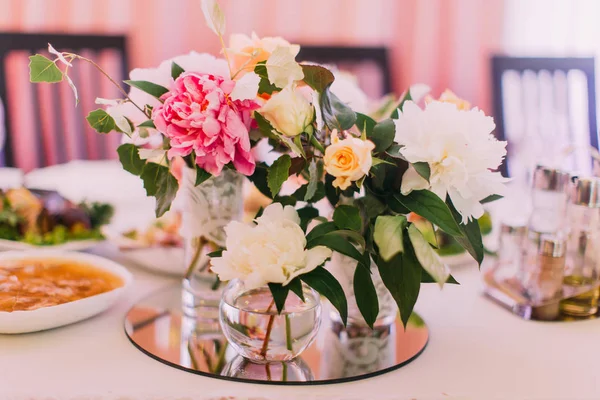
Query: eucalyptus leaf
x=278, y=173
x=323, y=282
x=366, y=296
x=148, y=87
x=42, y=69
x=101, y=121
x=388, y=235
x=130, y=158
x=347, y=217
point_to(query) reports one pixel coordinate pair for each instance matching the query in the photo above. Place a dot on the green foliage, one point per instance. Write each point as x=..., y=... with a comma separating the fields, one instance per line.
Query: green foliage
x=429, y=206
x=100, y=121
x=383, y=135
x=491, y=198
x=388, y=235
x=336, y=114
x=201, y=175
x=314, y=179
x=279, y=293
x=402, y=277
x=347, y=217
x=130, y=158
x=323, y=282
x=306, y=215
x=320, y=230
x=470, y=237
x=317, y=77
x=278, y=173
x=371, y=205
x=42, y=69
x=259, y=179
x=159, y=183
x=264, y=86
x=366, y=295
x=99, y=213
x=176, y=70
x=422, y=169
x=340, y=244
x=151, y=88
x=295, y=286
x=301, y=193
x=365, y=124
x=147, y=124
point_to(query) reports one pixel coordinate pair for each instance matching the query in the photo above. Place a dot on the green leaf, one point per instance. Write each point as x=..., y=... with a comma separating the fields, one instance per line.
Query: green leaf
x=428, y=258
x=317, y=77
x=347, y=217
x=429, y=206
x=300, y=193
x=336, y=114
x=280, y=294
x=100, y=121
x=176, y=70
x=470, y=238
x=340, y=244
x=377, y=161
x=42, y=69
x=259, y=179
x=216, y=253
x=356, y=238
x=366, y=295
x=333, y=195
x=491, y=198
x=383, y=135
x=320, y=230
x=371, y=205
x=306, y=215
x=422, y=169
x=388, y=235
x=151, y=88
x=402, y=277
x=311, y=188
x=264, y=86
x=201, y=175
x=365, y=124
x=130, y=158
x=285, y=200
x=278, y=174
x=426, y=278
x=150, y=176
x=394, y=151
x=427, y=230
x=147, y=124
x=159, y=183
x=323, y=282
x=400, y=105
x=295, y=286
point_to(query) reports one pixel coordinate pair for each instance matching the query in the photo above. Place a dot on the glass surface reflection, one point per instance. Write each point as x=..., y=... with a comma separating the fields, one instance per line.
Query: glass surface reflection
x=157, y=327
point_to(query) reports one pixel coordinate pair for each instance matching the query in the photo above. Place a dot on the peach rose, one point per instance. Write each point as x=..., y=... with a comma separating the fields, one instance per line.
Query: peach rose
x=348, y=160
x=246, y=51
x=449, y=97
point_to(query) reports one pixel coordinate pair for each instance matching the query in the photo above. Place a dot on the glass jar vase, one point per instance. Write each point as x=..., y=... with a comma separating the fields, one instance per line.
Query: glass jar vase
x=252, y=326
x=206, y=210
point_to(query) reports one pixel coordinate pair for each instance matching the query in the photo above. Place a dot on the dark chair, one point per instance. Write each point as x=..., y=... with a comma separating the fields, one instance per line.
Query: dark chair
x=345, y=57
x=542, y=105
x=53, y=130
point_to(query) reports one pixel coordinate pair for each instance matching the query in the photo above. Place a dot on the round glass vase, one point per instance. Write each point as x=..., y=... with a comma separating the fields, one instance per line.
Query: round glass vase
x=206, y=210
x=252, y=326
x=342, y=268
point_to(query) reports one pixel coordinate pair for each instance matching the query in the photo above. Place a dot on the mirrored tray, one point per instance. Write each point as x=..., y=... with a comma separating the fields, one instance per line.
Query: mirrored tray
x=157, y=327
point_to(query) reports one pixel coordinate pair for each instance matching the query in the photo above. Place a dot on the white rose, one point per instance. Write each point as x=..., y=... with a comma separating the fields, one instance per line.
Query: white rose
x=272, y=251
x=288, y=111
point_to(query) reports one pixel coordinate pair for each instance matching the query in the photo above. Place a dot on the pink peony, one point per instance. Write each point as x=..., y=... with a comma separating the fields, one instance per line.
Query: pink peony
x=199, y=116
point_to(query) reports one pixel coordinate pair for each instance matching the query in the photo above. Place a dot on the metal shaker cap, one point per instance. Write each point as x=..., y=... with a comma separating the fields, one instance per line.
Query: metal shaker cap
x=550, y=179
x=586, y=192
x=551, y=246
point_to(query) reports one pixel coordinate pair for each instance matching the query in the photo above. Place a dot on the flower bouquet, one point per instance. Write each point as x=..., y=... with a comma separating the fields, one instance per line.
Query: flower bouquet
x=435, y=161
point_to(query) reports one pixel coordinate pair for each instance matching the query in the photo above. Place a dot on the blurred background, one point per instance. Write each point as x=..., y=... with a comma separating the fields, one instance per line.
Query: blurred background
x=387, y=44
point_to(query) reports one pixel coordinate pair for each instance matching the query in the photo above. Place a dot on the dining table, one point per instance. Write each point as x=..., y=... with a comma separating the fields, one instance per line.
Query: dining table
x=476, y=349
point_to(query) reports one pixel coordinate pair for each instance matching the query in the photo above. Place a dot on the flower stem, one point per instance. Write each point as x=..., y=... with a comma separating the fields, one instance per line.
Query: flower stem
x=199, y=245
x=284, y=373
x=288, y=333
x=265, y=346
x=316, y=143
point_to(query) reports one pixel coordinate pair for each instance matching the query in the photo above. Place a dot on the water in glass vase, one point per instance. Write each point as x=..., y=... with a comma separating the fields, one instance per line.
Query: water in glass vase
x=251, y=324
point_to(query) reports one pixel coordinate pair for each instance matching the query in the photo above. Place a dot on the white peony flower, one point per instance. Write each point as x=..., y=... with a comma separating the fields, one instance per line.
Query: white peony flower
x=272, y=251
x=460, y=151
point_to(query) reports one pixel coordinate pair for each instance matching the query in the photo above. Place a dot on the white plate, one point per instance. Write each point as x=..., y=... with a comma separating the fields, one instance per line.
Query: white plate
x=73, y=245
x=67, y=313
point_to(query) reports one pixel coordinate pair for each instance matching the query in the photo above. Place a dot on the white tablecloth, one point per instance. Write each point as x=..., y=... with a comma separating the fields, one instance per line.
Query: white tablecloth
x=476, y=351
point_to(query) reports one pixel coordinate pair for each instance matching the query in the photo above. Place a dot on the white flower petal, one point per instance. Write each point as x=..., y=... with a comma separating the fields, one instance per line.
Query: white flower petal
x=429, y=259
x=246, y=88
x=73, y=87
x=59, y=55
x=147, y=154
x=282, y=67
x=418, y=91
x=411, y=180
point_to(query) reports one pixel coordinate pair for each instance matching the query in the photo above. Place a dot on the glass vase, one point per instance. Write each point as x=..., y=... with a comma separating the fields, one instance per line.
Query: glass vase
x=251, y=324
x=342, y=268
x=206, y=210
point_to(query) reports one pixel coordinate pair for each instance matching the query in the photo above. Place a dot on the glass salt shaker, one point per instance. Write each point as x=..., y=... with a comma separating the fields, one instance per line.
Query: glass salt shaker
x=549, y=198
x=582, y=262
x=509, y=251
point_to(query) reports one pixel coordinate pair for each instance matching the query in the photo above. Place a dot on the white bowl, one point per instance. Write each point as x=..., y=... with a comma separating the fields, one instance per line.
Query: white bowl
x=67, y=313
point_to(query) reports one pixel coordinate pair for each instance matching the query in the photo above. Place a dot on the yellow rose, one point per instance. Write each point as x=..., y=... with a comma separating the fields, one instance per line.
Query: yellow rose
x=288, y=111
x=348, y=160
x=449, y=97
x=246, y=51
